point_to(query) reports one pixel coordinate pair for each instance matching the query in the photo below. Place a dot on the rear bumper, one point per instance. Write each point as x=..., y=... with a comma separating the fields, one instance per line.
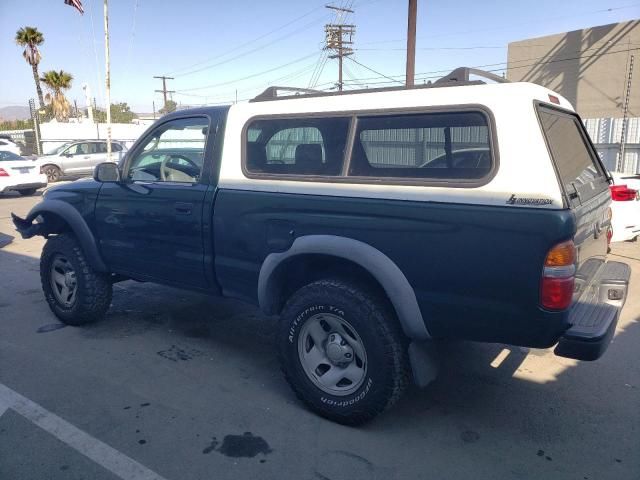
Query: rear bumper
x=594, y=317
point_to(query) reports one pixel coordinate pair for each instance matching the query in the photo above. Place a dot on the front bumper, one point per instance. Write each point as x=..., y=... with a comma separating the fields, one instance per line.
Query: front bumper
x=594, y=317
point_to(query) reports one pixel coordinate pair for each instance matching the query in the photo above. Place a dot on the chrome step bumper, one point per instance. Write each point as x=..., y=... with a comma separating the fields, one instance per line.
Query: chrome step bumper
x=594, y=317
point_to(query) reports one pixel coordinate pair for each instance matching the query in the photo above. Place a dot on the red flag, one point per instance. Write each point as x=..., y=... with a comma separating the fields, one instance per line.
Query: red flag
x=77, y=4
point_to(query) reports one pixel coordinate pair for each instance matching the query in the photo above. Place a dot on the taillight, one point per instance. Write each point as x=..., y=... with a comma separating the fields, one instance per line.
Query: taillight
x=622, y=193
x=3, y=173
x=558, y=277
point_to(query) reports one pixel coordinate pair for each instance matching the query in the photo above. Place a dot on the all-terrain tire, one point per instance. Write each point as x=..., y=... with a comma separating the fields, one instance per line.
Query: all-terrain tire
x=387, y=373
x=94, y=289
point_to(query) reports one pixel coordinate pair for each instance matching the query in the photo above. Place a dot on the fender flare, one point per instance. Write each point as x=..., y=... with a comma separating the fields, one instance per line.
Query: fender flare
x=382, y=268
x=75, y=221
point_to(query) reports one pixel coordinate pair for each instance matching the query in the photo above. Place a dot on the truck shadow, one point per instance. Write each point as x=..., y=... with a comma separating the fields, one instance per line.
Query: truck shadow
x=484, y=393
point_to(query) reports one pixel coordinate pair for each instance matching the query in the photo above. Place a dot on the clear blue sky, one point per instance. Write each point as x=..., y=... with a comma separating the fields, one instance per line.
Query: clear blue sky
x=217, y=44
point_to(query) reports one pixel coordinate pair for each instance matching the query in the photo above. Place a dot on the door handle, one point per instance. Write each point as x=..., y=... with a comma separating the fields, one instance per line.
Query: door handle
x=87, y=157
x=183, y=208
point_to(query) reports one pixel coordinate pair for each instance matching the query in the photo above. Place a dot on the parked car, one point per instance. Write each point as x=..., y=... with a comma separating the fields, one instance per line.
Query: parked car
x=77, y=158
x=8, y=145
x=625, y=193
x=19, y=174
x=322, y=209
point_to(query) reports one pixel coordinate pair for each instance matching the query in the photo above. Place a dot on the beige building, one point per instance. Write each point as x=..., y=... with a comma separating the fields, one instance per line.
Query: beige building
x=589, y=67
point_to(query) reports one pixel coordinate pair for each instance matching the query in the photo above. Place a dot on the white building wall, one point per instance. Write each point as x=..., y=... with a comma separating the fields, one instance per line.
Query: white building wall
x=55, y=134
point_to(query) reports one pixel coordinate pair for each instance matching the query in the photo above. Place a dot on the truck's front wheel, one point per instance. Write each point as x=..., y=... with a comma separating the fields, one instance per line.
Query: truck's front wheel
x=75, y=292
x=342, y=351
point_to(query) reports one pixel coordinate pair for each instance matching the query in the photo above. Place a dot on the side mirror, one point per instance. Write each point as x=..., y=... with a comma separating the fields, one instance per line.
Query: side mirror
x=67, y=155
x=106, y=172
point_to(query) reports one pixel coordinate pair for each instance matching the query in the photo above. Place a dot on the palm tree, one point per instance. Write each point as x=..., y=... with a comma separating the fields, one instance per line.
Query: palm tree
x=56, y=82
x=30, y=38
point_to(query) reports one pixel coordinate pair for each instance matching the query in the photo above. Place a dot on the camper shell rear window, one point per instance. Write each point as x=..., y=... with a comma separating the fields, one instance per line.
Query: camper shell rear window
x=576, y=161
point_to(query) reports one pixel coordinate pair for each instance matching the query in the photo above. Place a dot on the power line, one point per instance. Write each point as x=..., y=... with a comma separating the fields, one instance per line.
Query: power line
x=241, y=46
x=261, y=85
x=534, y=21
x=243, y=54
x=375, y=71
x=249, y=76
x=505, y=64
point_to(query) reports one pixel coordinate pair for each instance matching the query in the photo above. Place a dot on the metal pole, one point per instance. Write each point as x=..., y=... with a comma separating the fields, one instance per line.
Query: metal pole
x=625, y=113
x=340, y=53
x=108, y=76
x=411, y=42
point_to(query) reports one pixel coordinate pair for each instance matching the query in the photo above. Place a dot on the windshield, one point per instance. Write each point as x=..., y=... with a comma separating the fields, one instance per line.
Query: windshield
x=57, y=150
x=7, y=156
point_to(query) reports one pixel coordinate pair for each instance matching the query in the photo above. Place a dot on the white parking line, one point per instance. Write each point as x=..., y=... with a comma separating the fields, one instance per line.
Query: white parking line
x=101, y=453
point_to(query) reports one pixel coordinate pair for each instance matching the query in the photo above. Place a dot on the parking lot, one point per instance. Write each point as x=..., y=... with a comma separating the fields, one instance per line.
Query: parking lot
x=177, y=385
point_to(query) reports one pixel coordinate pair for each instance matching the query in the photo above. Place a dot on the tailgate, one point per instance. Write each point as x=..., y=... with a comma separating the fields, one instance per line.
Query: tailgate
x=600, y=286
x=585, y=185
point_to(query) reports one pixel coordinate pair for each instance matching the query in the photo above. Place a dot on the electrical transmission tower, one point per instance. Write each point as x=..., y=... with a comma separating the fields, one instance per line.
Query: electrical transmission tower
x=339, y=39
x=164, y=90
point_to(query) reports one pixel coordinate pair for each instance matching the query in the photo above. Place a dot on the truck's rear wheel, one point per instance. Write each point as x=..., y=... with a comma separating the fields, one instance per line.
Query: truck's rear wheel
x=75, y=293
x=342, y=351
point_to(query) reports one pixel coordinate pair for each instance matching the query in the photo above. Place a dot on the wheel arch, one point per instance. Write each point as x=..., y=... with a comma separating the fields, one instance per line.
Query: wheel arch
x=344, y=256
x=58, y=217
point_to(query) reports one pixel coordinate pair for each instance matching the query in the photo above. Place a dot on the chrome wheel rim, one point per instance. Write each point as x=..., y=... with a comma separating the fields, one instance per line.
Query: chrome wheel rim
x=63, y=281
x=332, y=354
x=52, y=174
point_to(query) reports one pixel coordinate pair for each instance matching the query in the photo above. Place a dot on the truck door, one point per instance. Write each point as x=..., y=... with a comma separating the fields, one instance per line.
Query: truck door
x=150, y=225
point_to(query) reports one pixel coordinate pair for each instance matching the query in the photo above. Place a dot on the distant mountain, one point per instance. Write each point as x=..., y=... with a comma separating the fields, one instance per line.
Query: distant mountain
x=14, y=112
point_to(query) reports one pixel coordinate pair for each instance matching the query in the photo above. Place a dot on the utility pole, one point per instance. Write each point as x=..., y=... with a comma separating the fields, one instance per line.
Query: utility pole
x=87, y=101
x=339, y=38
x=108, y=76
x=625, y=113
x=411, y=43
x=164, y=90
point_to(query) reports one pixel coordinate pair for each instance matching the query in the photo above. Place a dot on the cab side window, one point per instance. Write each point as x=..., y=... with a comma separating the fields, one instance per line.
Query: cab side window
x=173, y=152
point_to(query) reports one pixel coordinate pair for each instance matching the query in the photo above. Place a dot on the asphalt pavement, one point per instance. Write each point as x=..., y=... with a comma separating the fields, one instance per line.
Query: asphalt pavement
x=179, y=386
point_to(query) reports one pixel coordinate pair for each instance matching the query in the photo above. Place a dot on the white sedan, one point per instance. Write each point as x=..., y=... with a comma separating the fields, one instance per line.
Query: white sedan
x=19, y=174
x=625, y=207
